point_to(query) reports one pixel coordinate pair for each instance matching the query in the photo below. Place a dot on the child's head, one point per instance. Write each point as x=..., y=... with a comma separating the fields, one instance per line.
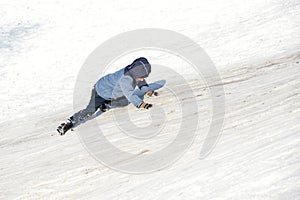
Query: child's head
x=140, y=69
x=139, y=79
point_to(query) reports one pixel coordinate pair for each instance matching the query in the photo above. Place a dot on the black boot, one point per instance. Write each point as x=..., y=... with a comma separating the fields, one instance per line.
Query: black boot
x=105, y=106
x=64, y=127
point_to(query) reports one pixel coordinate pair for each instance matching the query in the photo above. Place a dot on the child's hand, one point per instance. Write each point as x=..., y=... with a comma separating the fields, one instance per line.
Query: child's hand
x=150, y=93
x=145, y=105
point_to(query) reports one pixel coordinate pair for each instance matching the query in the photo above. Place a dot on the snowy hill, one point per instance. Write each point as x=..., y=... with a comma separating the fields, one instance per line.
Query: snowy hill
x=255, y=47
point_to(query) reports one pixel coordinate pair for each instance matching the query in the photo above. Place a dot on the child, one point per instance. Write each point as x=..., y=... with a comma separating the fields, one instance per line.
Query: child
x=118, y=87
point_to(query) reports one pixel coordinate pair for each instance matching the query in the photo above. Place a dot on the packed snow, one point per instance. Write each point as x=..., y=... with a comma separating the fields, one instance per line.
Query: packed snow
x=253, y=44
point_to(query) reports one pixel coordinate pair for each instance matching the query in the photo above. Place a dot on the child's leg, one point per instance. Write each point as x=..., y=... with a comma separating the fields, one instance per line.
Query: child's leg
x=119, y=102
x=91, y=108
x=122, y=101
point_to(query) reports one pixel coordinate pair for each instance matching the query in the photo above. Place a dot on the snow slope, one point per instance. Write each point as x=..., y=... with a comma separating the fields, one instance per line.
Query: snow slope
x=254, y=45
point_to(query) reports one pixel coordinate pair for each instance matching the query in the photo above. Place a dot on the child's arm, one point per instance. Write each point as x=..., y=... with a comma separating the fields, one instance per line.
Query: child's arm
x=145, y=89
x=143, y=85
x=128, y=91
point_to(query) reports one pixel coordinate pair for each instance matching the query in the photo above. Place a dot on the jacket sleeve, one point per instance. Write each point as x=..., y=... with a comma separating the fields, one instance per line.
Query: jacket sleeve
x=143, y=86
x=128, y=91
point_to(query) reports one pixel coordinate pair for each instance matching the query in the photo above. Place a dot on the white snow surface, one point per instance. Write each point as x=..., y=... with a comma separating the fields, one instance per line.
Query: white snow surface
x=255, y=47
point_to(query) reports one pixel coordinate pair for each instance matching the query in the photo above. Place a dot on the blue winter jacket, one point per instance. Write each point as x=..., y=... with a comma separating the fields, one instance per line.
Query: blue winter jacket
x=122, y=82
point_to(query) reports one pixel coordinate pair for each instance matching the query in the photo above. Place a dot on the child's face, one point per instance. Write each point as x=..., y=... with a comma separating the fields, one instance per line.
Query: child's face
x=139, y=79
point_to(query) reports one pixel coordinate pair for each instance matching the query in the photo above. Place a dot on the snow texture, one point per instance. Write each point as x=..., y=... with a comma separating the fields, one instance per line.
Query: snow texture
x=255, y=47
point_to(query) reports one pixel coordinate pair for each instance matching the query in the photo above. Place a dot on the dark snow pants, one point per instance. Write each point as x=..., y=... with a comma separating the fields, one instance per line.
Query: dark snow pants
x=91, y=108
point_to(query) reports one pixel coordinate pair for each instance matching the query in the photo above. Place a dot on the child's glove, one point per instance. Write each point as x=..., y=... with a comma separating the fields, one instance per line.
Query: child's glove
x=150, y=93
x=145, y=105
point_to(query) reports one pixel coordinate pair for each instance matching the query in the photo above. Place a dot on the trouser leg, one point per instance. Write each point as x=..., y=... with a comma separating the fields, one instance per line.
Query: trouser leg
x=91, y=108
x=119, y=102
x=122, y=101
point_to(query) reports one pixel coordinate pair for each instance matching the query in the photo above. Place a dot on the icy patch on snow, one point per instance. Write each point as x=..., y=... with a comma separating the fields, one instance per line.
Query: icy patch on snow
x=10, y=36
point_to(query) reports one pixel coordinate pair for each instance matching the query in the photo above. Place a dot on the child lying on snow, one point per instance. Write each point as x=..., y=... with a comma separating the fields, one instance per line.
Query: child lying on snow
x=117, y=87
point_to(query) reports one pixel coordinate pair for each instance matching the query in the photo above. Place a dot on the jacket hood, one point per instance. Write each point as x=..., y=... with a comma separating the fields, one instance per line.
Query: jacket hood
x=140, y=68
